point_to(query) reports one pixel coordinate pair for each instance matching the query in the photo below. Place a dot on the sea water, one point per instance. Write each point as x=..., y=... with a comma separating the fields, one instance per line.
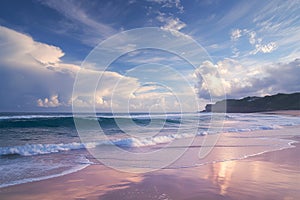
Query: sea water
x=41, y=146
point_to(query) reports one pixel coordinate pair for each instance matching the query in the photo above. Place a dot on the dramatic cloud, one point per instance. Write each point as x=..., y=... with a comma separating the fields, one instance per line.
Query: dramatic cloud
x=39, y=74
x=239, y=80
x=210, y=85
x=254, y=45
x=31, y=69
x=283, y=77
x=18, y=47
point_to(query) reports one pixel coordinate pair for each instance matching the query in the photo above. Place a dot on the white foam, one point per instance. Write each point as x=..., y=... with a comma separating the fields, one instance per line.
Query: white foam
x=259, y=124
x=150, y=141
x=148, y=116
x=29, y=180
x=254, y=128
x=36, y=149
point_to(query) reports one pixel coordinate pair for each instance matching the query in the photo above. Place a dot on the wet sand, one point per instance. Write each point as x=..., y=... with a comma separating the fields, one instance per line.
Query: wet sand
x=272, y=175
x=284, y=112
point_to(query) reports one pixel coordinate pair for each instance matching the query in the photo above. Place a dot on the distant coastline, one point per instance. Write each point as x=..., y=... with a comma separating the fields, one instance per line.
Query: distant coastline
x=276, y=102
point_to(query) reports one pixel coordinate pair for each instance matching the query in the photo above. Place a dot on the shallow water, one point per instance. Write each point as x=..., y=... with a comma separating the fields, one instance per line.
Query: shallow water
x=41, y=146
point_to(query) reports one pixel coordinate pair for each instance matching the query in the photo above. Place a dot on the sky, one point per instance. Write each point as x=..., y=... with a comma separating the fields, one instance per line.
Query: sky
x=52, y=52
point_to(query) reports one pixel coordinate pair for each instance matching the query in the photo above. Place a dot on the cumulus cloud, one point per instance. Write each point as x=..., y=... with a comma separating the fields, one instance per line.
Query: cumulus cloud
x=35, y=71
x=225, y=73
x=21, y=50
x=18, y=47
x=283, y=77
x=239, y=80
x=52, y=101
x=116, y=92
x=210, y=85
x=31, y=69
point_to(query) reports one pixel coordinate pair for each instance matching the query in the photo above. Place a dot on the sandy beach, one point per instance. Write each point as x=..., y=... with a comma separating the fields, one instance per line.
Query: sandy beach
x=295, y=113
x=271, y=175
x=149, y=100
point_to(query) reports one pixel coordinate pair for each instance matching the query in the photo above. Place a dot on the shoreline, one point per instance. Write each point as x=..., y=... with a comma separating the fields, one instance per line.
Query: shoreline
x=100, y=182
x=42, y=178
x=219, y=180
x=294, y=113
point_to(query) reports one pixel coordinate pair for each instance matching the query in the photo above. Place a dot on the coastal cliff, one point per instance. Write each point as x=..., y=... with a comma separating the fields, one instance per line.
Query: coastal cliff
x=257, y=104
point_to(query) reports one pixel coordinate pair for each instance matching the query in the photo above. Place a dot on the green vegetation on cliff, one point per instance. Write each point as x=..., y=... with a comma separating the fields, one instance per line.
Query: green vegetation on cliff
x=257, y=104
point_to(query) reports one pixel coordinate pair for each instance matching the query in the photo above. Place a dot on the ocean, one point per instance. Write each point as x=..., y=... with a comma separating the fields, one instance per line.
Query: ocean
x=38, y=146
